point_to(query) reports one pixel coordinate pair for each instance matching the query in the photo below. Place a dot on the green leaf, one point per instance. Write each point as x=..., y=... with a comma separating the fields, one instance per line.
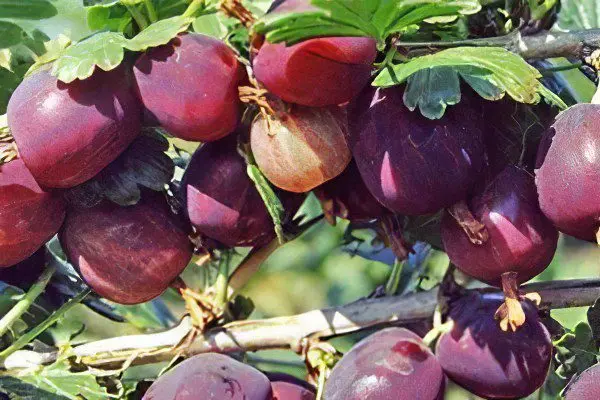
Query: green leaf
x=10, y=34
x=506, y=71
x=8, y=83
x=54, y=382
x=22, y=390
x=211, y=25
x=578, y=15
x=431, y=90
x=159, y=33
x=575, y=351
x=375, y=18
x=272, y=202
x=27, y=9
x=112, y=16
x=143, y=165
x=104, y=50
x=54, y=49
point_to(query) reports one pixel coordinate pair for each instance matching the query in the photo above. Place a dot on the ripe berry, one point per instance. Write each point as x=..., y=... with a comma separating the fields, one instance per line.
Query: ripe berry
x=393, y=363
x=491, y=363
x=316, y=72
x=67, y=133
x=411, y=164
x=221, y=200
x=29, y=216
x=521, y=239
x=211, y=376
x=302, y=147
x=567, y=180
x=586, y=386
x=190, y=86
x=127, y=254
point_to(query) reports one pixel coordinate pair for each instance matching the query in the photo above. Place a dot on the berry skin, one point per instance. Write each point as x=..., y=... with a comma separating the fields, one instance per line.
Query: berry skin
x=211, y=376
x=411, y=164
x=491, y=363
x=567, y=178
x=29, y=216
x=586, y=386
x=393, y=363
x=67, y=133
x=290, y=391
x=316, y=72
x=222, y=202
x=302, y=147
x=190, y=87
x=128, y=255
x=521, y=238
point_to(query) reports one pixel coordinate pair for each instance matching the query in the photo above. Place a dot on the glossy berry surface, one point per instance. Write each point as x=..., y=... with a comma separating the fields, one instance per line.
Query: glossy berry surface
x=29, y=216
x=411, y=164
x=222, y=202
x=290, y=391
x=521, y=238
x=393, y=363
x=489, y=362
x=316, y=72
x=586, y=386
x=346, y=196
x=127, y=254
x=67, y=133
x=567, y=177
x=211, y=376
x=301, y=148
x=190, y=86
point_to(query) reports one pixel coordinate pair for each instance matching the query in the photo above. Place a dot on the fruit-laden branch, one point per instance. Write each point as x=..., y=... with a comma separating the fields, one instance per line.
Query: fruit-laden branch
x=543, y=45
x=289, y=332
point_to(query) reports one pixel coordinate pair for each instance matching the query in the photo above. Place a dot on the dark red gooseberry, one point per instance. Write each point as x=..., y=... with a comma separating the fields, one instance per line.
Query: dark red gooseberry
x=316, y=72
x=487, y=361
x=568, y=181
x=290, y=379
x=393, y=363
x=190, y=86
x=346, y=196
x=290, y=391
x=221, y=200
x=127, y=254
x=521, y=238
x=586, y=386
x=411, y=164
x=211, y=376
x=25, y=273
x=301, y=148
x=67, y=133
x=29, y=216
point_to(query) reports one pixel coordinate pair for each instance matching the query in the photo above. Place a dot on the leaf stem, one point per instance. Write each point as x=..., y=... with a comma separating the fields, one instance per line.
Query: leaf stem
x=151, y=10
x=391, y=287
x=222, y=283
x=139, y=18
x=194, y=6
x=23, y=305
x=321, y=383
x=48, y=322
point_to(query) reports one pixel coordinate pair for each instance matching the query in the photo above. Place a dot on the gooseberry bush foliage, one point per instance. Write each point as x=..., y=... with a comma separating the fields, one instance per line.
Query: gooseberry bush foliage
x=157, y=153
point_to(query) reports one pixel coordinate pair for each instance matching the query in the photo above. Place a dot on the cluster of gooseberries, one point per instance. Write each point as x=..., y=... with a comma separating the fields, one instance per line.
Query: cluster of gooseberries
x=322, y=128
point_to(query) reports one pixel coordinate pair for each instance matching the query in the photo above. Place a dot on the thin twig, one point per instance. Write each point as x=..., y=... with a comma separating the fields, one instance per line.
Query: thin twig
x=290, y=332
